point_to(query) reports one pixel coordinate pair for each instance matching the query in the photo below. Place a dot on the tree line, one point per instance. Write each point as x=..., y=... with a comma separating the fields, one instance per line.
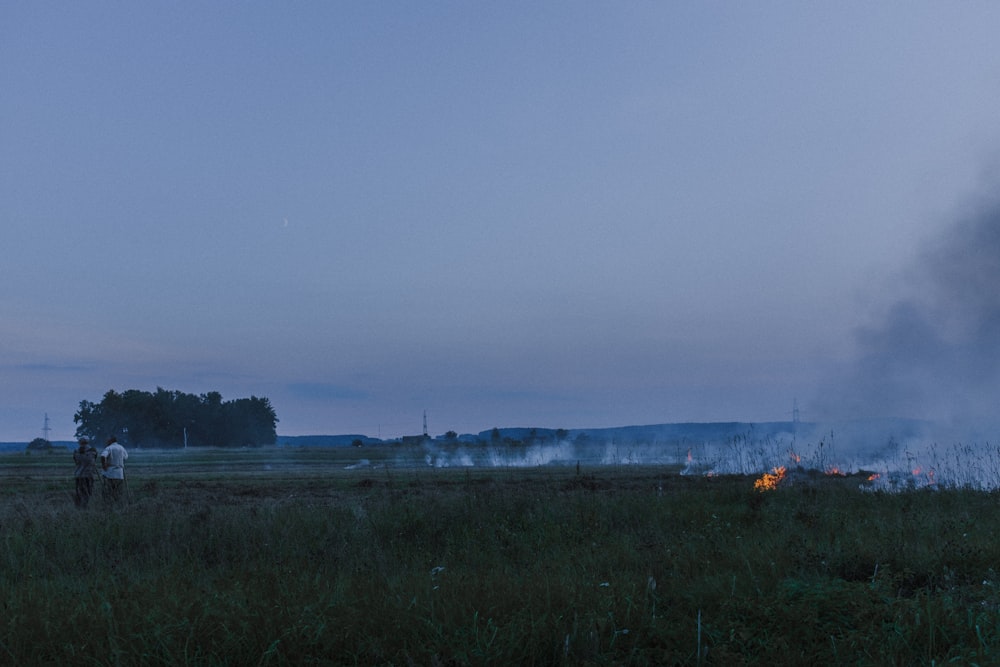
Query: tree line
x=175, y=419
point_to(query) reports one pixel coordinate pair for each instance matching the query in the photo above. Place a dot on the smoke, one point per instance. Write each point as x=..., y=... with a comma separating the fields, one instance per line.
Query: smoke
x=934, y=352
x=555, y=452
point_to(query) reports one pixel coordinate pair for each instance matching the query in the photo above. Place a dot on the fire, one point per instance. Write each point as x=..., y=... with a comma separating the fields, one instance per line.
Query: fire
x=927, y=474
x=794, y=457
x=872, y=477
x=834, y=471
x=769, y=481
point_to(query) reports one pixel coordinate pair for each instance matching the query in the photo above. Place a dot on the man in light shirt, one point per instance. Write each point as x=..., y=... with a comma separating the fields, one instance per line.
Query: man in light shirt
x=113, y=469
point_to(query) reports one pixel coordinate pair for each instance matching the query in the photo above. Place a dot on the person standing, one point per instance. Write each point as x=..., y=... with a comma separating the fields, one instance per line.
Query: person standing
x=85, y=458
x=113, y=469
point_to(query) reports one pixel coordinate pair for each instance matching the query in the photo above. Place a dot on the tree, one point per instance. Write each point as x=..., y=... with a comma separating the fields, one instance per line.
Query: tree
x=250, y=421
x=39, y=445
x=172, y=418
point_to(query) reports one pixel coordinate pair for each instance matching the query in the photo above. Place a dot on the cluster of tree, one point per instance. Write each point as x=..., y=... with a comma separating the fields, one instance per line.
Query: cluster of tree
x=530, y=437
x=512, y=437
x=175, y=419
x=40, y=445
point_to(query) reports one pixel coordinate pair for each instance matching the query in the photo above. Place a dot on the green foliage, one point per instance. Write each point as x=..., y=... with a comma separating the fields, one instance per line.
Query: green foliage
x=500, y=567
x=39, y=445
x=172, y=418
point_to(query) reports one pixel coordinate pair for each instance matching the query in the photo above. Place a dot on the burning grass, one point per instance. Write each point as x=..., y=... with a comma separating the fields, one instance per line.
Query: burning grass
x=309, y=563
x=769, y=481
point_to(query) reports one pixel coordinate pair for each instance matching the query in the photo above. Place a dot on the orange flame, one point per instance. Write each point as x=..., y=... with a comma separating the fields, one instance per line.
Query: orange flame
x=834, y=471
x=794, y=457
x=872, y=477
x=768, y=481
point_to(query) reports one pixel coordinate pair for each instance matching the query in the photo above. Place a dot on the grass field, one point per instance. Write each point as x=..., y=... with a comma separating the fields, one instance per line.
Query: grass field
x=345, y=556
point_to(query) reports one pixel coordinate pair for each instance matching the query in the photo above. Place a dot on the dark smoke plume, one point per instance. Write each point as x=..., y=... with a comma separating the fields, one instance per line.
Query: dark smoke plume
x=935, y=353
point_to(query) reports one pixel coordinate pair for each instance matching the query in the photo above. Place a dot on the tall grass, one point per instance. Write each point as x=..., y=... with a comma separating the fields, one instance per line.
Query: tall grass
x=602, y=566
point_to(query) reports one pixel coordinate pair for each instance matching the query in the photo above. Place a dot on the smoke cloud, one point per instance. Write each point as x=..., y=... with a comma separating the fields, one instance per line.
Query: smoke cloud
x=934, y=353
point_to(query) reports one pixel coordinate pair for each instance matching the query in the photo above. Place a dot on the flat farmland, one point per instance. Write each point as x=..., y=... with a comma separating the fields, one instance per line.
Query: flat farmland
x=334, y=472
x=336, y=556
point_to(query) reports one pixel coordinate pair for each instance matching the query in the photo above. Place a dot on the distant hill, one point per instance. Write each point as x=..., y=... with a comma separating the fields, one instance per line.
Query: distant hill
x=682, y=433
x=847, y=430
x=325, y=440
x=661, y=434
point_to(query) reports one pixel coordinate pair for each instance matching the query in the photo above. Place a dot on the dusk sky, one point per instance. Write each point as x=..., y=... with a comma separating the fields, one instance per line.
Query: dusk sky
x=562, y=215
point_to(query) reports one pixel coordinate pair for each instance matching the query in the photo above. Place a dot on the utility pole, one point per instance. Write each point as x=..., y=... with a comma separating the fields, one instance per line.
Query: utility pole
x=425, y=423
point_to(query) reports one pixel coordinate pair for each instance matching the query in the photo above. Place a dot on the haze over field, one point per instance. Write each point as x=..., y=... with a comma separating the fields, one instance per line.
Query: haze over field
x=562, y=216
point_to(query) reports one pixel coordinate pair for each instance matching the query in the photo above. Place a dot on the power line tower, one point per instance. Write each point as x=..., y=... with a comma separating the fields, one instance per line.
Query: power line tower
x=425, y=423
x=45, y=428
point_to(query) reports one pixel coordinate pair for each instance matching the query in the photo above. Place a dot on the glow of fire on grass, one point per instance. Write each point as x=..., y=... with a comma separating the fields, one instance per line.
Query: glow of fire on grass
x=928, y=475
x=769, y=481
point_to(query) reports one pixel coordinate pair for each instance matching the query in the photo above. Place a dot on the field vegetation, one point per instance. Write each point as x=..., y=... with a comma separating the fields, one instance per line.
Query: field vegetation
x=280, y=556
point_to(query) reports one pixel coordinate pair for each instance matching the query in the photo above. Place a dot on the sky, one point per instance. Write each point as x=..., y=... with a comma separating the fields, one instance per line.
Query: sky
x=559, y=215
